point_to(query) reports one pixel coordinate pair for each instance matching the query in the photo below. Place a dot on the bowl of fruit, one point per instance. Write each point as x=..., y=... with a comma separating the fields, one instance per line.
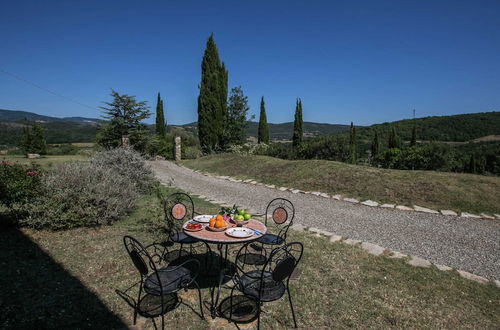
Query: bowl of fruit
x=217, y=223
x=237, y=216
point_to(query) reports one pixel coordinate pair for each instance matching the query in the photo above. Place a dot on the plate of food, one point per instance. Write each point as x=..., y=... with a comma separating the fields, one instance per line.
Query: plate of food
x=193, y=226
x=204, y=218
x=239, y=232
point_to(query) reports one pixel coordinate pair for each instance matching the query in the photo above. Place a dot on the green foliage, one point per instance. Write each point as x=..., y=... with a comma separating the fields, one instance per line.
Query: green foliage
x=63, y=149
x=18, y=183
x=263, y=131
x=298, y=131
x=33, y=141
x=375, y=146
x=212, y=101
x=237, y=116
x=353, y=157
x=413, y=140
x=393, y=141
x=125, y=116
x=92, y=193
x=161, y=123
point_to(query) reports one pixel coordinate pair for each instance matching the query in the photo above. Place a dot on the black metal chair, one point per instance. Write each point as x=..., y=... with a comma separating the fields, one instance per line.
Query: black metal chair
x=178, y=208
x=268, y=283
x=158, y=287
x=282, y=212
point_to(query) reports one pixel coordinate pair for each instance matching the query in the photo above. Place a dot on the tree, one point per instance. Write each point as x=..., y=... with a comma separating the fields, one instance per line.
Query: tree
x=33, y=140
x=237, y=116
x=393, y=139
x=125, y=116
x=160, y=119
x=413, y=140
x=298, y=132
x=375, y=146
x=353, y=158
x=212, y=101
x=263, y=134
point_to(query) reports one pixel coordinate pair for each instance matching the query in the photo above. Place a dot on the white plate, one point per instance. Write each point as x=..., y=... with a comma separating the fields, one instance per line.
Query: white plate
x=205, y=218
x=239, y=232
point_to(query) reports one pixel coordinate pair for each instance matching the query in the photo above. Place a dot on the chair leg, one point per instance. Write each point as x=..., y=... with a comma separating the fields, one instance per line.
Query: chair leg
x=162, y=321
x=201, y=303
x=258, y=316
x=291, y=306
x=231, y=304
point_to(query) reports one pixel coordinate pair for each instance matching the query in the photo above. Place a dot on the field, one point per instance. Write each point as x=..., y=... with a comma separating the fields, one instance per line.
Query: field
x=44, y=161
x=52, y=275
x=436, y=190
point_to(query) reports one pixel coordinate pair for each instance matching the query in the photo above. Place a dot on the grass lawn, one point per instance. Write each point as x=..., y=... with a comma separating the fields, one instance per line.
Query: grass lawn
x=67, y=279
x=44, y=161
x=436, y=190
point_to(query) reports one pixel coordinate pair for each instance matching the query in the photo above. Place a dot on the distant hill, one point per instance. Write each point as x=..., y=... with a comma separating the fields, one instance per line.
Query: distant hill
x=15, y=115
x=456, y=128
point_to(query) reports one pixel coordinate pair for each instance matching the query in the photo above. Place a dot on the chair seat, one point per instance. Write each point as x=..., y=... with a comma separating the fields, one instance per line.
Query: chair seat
x=151, y=305
x=270, y=239
x=181, y=237
x=171, y=280
x=271, y=290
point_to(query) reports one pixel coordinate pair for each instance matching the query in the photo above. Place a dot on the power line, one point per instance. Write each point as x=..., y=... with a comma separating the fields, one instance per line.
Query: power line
x=46, y=89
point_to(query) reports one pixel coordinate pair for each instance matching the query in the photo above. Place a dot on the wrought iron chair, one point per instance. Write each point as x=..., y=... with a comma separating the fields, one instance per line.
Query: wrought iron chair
x=158, y=287
x=178, y=208
x=282, y=212
x=268, y=283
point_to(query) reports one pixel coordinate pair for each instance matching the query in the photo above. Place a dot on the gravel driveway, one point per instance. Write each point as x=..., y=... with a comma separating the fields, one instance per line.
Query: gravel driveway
x=463, y=243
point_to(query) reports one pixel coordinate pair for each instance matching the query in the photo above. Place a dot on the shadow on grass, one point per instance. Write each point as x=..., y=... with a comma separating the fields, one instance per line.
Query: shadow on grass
x=37, y=292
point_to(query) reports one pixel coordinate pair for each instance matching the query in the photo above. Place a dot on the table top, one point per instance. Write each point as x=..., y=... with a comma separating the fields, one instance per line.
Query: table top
x=220, y=236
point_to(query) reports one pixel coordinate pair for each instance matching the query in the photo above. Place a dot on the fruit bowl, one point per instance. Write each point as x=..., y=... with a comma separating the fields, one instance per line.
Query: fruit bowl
x=240, y=222
x=217, y=229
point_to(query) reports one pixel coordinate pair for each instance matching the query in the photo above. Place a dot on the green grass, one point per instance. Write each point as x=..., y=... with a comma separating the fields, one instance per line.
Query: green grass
x=44, y=161
x=67, y=280
x=436, y=190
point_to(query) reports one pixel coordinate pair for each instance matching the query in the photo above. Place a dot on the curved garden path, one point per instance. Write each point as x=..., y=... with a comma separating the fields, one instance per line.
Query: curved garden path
x=463, y=243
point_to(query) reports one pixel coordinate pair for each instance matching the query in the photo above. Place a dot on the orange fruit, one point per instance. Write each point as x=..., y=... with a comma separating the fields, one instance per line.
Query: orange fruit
x=211, y=223
x=219, y=217
x=220, y=223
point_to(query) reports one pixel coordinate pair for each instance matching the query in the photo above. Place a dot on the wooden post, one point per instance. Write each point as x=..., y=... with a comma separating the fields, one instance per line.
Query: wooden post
x=177, y=148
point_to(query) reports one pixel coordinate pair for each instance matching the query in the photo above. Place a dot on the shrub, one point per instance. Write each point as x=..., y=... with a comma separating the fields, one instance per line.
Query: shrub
x=80, y=194
x=125, y=162
x=17, y=183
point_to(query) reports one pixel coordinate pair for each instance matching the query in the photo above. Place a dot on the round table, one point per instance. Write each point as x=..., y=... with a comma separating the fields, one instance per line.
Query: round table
x=222, y=239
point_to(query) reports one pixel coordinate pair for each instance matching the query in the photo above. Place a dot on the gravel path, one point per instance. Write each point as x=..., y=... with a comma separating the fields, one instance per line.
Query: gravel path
x=463, y=243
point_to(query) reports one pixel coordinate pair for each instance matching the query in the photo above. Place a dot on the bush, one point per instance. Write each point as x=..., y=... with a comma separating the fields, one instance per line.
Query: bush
x=63, y=149
x=17, y=183
x=125, y=162
x=80, y=194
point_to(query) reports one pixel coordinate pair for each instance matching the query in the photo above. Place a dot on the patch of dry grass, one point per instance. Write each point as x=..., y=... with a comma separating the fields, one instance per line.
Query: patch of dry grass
x=436, y=190
x=340, y=286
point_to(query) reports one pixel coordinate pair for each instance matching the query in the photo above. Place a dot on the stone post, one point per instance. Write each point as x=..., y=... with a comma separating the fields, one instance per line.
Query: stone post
x=177, y=148
x=125, y=141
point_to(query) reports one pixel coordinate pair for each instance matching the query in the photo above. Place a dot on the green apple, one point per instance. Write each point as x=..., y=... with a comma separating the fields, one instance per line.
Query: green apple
x=239, y=217
x=241, y=212
x=247, y=216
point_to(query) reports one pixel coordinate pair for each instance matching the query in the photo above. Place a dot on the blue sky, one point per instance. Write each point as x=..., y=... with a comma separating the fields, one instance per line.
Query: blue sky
x=362, y=61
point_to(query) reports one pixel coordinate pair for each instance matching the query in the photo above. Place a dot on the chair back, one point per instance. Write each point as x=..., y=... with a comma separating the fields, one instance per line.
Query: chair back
x=141, y=258
x=283, y=260
x=178, y=207
x=282, y=212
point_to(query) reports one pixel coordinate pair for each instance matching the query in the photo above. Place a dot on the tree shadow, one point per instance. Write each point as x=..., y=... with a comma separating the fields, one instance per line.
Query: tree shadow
x=37, y=292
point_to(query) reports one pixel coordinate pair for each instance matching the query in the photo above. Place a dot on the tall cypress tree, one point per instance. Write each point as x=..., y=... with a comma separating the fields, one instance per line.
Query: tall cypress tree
x=263, y=133
x=298, y=132
x=413, y=141
x=393, y=139
x=212, y=101
x=375, y=146
x=160, y=119
x=353, y=157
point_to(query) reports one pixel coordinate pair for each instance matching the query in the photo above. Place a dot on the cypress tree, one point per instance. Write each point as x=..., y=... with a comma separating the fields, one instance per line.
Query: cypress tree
x=263, y=133
x=298, y=132
x=352, y=145
x=375, y=146
x=212, y=101
x=393, y=139
x=160, y=119
x=413, y=141
x=38, y=144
